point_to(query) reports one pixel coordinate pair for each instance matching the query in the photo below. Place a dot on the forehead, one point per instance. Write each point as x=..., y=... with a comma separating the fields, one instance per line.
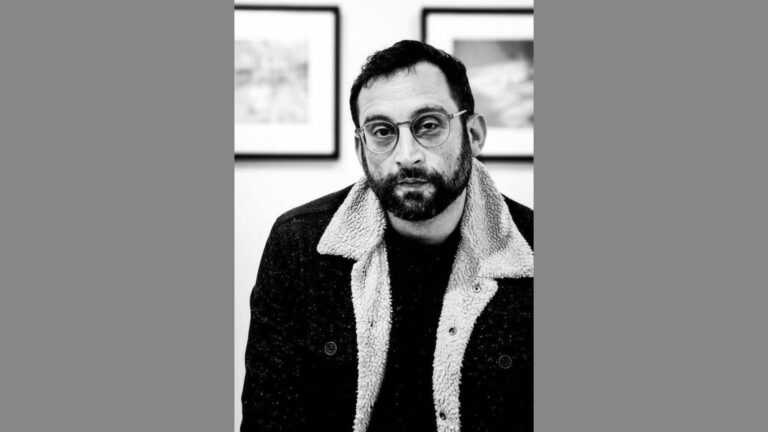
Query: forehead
x=408, y=90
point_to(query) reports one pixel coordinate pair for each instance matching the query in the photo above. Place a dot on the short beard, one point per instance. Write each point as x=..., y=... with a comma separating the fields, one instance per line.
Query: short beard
x=415, y=205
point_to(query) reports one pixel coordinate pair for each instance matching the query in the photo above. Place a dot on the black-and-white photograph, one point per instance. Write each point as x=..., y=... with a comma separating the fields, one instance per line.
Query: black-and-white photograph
x=286, y=82
x=496, y=46
x=501, y=73
x=392, y=288
x=271, y=82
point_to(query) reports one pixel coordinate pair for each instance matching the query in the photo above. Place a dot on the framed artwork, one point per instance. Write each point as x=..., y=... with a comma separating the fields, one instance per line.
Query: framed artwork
x=286, y=82
x=496, y=46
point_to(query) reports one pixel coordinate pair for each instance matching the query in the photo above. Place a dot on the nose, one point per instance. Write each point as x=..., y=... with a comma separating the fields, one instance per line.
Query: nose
x=408, y=151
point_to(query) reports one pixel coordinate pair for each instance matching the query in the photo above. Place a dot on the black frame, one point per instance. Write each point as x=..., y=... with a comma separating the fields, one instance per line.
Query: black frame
x=337, y=51
x=516, y=11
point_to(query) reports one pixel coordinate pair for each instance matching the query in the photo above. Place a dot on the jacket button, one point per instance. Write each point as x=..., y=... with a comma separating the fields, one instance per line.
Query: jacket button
x=505, y=361
x=330, y=348
x=452, y=331
x=442, y=416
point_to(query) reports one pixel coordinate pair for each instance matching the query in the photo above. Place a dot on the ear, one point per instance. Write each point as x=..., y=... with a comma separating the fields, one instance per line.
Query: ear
x=476, y=129
x=359, y=149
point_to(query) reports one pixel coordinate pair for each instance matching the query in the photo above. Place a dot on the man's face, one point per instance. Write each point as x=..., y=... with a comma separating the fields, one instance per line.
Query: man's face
x=411, y=181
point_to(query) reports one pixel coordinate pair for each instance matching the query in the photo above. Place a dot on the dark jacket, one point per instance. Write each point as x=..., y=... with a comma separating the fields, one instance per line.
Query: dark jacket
x=315, y=355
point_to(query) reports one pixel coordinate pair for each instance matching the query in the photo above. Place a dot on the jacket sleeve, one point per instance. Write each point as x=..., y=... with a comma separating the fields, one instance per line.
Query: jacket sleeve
x=272, y=391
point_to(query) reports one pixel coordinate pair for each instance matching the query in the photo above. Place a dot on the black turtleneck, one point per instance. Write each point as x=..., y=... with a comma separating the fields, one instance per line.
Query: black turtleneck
x=418, y=276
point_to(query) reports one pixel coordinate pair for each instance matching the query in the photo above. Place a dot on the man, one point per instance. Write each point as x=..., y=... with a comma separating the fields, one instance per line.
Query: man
x=403, y=302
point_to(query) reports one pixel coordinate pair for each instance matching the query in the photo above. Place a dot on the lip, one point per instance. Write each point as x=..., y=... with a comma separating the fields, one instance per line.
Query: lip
x=412, y=181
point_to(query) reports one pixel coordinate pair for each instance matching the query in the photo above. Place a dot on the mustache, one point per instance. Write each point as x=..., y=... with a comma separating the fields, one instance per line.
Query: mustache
x=412, y=173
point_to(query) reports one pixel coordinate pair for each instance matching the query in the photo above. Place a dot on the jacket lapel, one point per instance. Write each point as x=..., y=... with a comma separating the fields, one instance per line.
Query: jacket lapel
x=356, y=231
x=491, y=247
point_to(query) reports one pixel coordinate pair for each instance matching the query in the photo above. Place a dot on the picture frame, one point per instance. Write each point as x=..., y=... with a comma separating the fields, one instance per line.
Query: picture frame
x=496, y=46
x=286, y=82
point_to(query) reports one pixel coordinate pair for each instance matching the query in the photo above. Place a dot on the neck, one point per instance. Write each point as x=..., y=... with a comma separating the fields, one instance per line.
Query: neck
x=434, y=230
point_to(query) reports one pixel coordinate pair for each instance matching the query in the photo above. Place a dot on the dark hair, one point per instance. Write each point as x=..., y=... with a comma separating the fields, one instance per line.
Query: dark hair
x=404, y=55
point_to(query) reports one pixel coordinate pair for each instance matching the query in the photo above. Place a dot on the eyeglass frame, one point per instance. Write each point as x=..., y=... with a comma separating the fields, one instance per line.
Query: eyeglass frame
x=361, y=130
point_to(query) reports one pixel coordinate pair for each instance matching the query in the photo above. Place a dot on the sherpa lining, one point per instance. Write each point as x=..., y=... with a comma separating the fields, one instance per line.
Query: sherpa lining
x=491, y=247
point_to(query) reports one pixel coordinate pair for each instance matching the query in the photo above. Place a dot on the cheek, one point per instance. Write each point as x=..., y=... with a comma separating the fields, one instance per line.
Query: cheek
x=445, y=161
x=378, y=166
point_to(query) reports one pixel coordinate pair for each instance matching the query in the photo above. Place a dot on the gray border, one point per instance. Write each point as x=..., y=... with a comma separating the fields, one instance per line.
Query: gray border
x=650, y=214
x=116, y=194
x=116, y=210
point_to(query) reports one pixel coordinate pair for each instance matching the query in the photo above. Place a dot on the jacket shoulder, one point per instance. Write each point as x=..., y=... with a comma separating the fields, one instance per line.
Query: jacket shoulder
x=316, y=208
x=523, y=218
x=317, y=213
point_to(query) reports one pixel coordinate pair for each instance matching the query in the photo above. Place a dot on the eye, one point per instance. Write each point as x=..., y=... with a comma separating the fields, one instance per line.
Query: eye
x=380, y=130
x=428, y=124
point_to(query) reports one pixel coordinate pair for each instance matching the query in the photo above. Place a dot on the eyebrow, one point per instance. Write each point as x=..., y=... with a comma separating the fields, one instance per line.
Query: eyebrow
x=418, y=112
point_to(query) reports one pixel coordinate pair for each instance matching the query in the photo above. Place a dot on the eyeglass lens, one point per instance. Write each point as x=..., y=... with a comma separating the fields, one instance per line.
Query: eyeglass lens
x=430, y=130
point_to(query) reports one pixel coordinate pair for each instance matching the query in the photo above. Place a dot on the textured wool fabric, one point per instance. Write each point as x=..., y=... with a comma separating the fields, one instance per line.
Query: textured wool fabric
x=321, y=318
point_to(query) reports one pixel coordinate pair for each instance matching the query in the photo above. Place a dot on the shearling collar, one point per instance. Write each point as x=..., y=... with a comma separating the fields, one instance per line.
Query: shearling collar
x=487, y=230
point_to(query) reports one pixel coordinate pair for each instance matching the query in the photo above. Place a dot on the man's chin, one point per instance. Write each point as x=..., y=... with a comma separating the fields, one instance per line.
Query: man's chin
x=412, y=207
x=413, y=213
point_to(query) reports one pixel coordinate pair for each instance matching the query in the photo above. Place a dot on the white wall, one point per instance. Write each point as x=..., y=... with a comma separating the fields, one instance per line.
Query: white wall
x=266, y=189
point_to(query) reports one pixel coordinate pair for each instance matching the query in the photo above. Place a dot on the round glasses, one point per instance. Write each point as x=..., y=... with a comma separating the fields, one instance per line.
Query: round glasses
x=429, y=129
